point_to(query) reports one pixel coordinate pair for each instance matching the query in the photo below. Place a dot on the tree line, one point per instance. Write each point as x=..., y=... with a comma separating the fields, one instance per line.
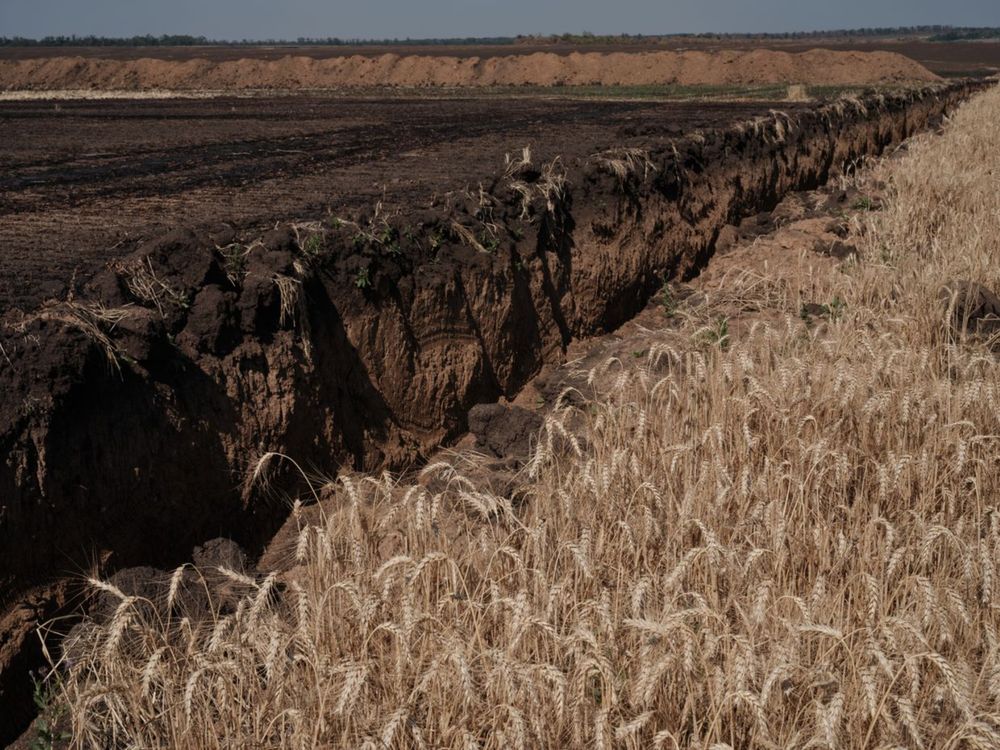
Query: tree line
x=185, y=40
x=933, y=33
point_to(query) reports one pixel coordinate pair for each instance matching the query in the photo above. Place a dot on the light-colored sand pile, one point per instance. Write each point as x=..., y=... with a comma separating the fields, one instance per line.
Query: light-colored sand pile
x=818, y=67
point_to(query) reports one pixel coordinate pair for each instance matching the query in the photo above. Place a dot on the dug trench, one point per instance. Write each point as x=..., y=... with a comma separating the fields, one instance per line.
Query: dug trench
x=184, y=393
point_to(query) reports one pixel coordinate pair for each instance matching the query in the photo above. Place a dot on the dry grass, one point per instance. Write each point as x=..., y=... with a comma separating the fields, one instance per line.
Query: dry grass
x=626, y=164
x=550, y=185
x=94, y=320
x=145, y=285
x=294, y=307
x=466, y=236
x=789, y=541
x=797, y=92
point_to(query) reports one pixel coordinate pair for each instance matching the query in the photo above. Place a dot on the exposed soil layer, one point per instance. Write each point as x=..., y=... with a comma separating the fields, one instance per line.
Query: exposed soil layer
x=82, y=183
x=137, y=415
x=725, y=67
x=943, y=58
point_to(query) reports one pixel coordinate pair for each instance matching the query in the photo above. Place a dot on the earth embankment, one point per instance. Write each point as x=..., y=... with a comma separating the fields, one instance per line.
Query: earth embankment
x=738, y=67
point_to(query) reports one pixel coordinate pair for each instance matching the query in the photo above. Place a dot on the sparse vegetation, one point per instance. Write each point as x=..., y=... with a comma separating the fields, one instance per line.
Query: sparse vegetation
x=293, y=307
x=797, y=92
x=94, y=320
x=863, y=203
x=50, y=728
x=466, y=237
x=651, y=92
x=436, y=240
x=362, y=279
x=313, y=245
x=716, y=334
x=146, y=286
x=234, y=261
x=489, y=241
x=935, y=32
x=289, y=291
x=667, y=301
x=630, y=166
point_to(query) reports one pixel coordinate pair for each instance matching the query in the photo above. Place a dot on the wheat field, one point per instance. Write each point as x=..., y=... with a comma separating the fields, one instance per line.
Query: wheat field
x=786, y=536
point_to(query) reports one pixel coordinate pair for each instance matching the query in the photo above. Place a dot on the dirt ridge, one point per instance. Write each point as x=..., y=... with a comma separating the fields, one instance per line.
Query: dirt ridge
x=134, y=415
x=739, y=67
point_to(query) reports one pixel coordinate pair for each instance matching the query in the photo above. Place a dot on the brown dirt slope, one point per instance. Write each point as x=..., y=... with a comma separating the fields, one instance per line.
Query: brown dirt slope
x=816, y=66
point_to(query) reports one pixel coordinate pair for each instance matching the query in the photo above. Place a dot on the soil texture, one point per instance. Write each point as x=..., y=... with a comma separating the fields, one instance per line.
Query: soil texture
x=694, y=67
x=82, y=183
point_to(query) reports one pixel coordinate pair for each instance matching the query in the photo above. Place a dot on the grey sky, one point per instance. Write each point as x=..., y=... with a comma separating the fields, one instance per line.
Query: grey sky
x=235, y=19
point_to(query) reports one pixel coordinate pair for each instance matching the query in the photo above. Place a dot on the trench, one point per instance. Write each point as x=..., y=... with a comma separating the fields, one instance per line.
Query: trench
x=146, y=414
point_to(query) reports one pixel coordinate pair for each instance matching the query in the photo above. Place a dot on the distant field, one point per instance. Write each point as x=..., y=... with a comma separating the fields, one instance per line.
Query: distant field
x=773, y=93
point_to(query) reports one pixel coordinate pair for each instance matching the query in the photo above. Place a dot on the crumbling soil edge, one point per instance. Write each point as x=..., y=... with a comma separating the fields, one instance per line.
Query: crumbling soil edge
x=134, y=416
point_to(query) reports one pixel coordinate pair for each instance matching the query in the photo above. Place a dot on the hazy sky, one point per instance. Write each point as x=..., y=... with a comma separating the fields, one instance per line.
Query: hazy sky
x=235, y=19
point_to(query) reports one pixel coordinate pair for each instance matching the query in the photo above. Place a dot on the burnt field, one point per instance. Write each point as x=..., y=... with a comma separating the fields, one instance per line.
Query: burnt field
x=83, y=182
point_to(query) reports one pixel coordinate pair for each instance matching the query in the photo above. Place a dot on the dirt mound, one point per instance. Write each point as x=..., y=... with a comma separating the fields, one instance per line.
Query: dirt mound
x=820, y=67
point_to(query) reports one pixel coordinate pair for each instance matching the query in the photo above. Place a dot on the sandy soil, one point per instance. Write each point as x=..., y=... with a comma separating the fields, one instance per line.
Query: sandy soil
x=946, y=59
x=751, y=67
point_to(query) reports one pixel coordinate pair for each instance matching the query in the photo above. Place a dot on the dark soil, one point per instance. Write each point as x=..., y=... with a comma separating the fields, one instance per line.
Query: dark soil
x=82, y=182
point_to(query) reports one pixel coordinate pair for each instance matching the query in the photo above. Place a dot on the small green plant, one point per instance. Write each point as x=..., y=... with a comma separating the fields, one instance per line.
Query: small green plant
x=362, y=279
x=518, y=265
x=436, y=240
x=718, y=334
x=313, y=245
x=864, y=203
x=50, y=714
x=834, y=310
x=234, y=261
x=387, y=236
x=667, y=301
x=489, y=241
